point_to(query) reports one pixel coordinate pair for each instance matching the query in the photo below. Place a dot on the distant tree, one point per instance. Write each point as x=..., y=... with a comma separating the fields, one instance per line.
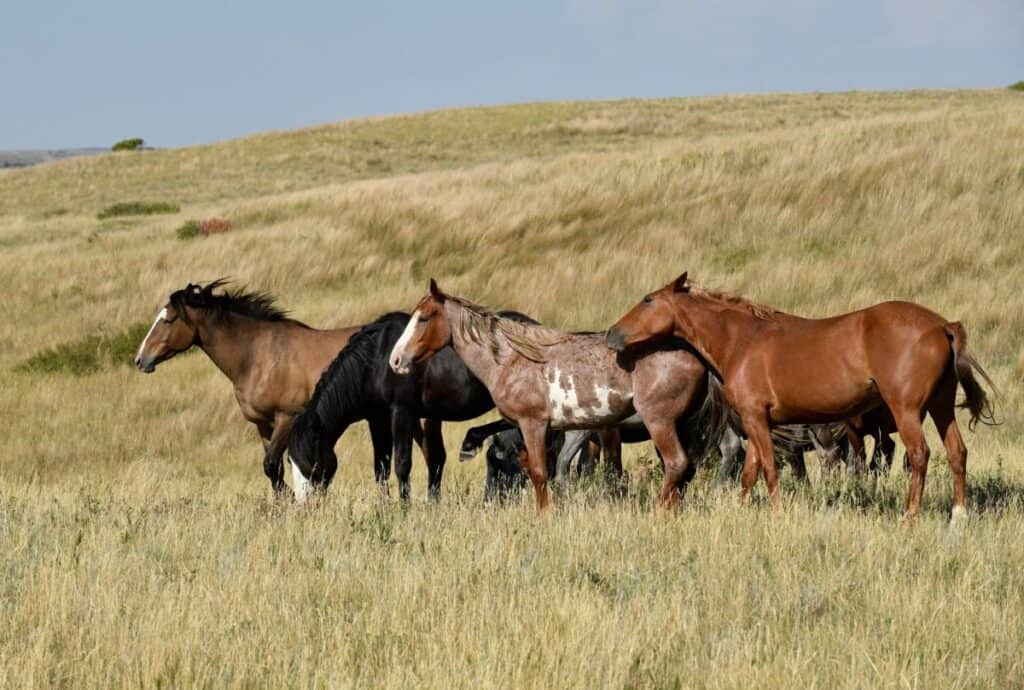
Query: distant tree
x=1019, y=86
x=128, y=145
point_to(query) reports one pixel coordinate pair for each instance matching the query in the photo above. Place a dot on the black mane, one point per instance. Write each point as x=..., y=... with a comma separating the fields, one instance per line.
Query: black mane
x=337, y=400
x=252, y=304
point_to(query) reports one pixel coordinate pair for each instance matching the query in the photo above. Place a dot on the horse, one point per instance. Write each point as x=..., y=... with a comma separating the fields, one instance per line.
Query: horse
x=358, y=385
x=504, y=466
x=273, y=361
x=541, y=378
x=782, y=369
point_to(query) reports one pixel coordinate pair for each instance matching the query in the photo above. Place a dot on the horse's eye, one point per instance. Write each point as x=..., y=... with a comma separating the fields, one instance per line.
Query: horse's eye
x=647, y=299
x=424, y=319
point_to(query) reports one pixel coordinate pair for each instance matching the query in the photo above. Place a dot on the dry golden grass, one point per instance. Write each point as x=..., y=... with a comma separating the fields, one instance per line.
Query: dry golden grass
x=141, y=548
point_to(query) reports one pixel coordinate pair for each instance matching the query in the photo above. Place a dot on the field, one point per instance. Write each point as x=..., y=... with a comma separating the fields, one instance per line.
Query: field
x=140, y=543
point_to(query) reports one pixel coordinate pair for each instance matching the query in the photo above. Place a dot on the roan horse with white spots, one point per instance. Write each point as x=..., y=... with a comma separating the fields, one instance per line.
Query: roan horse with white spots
x=782, y=369
x=541, y=378
x=274, y=362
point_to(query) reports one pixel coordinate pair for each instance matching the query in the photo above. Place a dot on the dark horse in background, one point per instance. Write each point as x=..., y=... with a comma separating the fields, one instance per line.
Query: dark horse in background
x=273, y=362
x=359, y=384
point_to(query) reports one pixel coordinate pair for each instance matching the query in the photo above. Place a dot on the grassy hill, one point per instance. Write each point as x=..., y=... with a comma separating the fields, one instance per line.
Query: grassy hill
x=140, y=542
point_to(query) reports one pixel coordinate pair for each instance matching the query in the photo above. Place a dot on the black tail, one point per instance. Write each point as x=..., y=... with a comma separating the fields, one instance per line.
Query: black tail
x=976, y=399
x=702, y=429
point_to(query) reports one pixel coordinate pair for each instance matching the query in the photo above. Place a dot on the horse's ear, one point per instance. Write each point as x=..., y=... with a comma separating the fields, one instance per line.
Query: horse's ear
x=435, y=291
x=679, y=285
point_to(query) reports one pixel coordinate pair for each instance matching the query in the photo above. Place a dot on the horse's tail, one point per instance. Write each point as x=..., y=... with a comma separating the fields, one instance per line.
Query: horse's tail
x=702, y=429
x=976, y=401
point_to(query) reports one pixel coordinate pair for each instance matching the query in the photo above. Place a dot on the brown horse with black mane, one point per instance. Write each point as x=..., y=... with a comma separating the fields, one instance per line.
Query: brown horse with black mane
x=273, y=361
x=781, y=369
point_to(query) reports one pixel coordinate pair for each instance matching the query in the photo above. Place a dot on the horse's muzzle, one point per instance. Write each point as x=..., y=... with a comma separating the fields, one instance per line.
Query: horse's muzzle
x=615, y=339
x=146, y=366
x=400, y=364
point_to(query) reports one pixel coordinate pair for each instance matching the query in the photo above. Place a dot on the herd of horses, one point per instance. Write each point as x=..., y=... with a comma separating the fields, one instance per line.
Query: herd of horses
x=688, y=368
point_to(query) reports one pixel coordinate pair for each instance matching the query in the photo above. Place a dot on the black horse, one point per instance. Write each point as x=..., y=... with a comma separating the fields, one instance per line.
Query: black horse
x=359, y=385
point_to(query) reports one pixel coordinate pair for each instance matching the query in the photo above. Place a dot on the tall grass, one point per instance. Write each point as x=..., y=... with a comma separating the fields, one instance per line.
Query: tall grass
x=141, y=546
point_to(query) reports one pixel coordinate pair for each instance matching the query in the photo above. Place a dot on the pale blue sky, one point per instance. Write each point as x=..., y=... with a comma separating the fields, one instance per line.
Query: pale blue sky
x=77, y=73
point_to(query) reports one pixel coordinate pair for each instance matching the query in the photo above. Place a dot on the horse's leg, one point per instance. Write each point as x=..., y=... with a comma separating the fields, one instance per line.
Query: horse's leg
x=760, y=453
x=380, y=437
x=535, y=461
x=730, y=447
x=435, y=456
x=611, y=441
x=590, y=455
x=474, y=439
x=795, y=459
x=403, y=430
x=574, y=442
x=273, y=458
x=942, y=408
x=677, y=465
x=908, y=422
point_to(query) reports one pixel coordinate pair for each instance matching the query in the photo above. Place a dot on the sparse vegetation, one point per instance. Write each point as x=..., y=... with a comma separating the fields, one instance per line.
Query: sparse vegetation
x=87, y=355
x=188, y=230
x=128, y=145
x=210, y=226
x=137, y=208
x=1017, y=86
x=140, y=543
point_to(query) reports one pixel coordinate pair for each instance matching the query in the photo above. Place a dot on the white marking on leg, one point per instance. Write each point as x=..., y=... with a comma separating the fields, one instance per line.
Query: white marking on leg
x=300, y=485
x=159, y=317
x=959, y=514
x=397, y=359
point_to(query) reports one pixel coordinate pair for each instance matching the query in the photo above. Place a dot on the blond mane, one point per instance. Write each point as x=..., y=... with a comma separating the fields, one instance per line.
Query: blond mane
x=482, y=326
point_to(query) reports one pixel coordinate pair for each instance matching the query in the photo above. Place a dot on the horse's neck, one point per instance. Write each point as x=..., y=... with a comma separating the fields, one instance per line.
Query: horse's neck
x=718, y=335
x=476, y=356
x=229, y=344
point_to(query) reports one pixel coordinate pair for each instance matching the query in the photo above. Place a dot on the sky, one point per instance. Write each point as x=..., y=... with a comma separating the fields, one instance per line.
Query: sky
x=77, y=73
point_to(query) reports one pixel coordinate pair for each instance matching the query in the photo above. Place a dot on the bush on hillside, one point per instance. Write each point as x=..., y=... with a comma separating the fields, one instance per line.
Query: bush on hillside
x=133, y=144
x=209, y=226
x=1019, y=86
x=138, y=208
x=188, y=230
x=87, y=355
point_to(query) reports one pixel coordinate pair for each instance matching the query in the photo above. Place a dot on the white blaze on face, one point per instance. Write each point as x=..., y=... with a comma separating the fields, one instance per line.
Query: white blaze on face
x=564, y=400
x=300, y=485
x=159, y=317
x=398, y=361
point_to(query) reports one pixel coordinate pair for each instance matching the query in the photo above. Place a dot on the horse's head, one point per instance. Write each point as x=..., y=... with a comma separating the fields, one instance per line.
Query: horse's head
x=173, y=331
x=427, y=332
x=653, y=317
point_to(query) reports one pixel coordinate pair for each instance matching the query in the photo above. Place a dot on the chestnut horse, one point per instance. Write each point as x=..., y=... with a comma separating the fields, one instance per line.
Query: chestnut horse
x=273, y=361
x=781, y=369
x=541, y=378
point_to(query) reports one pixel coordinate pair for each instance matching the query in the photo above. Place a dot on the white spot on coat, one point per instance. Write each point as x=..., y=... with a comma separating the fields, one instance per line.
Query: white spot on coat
x=565, y=403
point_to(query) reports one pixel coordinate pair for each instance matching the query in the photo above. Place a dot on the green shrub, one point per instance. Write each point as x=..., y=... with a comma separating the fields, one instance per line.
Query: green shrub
x=1019, y=86
x=87, y=355
x=128, y=145
x=138, y=208
x=189, y=230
